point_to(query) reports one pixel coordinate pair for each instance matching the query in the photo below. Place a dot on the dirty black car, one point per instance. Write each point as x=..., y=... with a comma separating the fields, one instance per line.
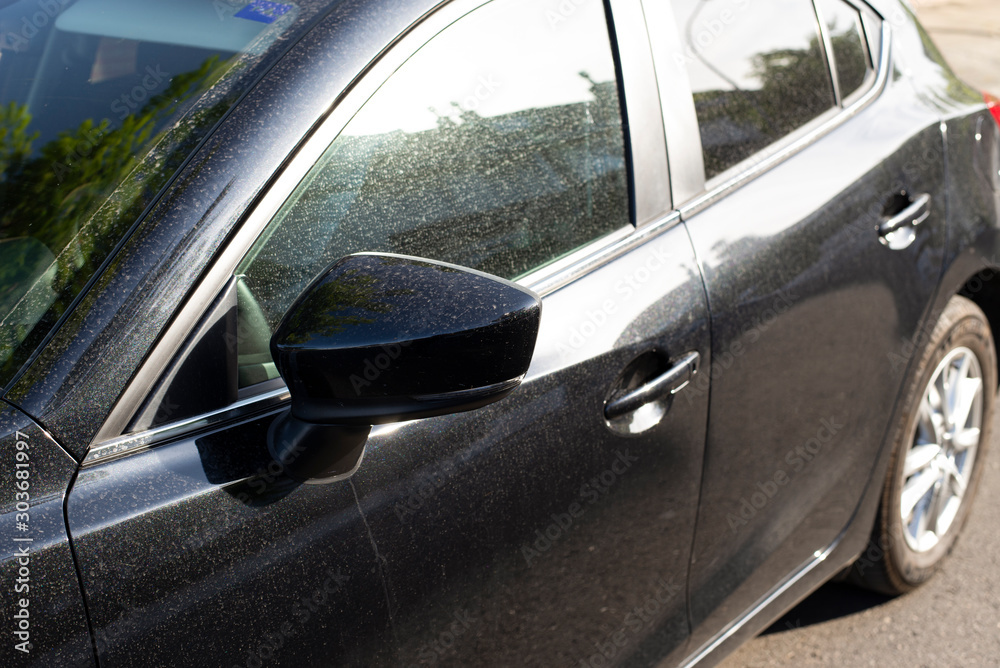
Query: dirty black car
x=508, y=332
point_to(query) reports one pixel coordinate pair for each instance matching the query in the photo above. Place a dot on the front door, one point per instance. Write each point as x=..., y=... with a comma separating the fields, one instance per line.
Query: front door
x=542, y=530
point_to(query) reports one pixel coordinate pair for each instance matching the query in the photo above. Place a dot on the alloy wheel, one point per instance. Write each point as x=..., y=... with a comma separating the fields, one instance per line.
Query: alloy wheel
x=939, y=464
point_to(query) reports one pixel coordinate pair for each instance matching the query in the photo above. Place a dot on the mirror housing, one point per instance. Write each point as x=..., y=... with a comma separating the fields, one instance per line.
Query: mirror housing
x=383, y=338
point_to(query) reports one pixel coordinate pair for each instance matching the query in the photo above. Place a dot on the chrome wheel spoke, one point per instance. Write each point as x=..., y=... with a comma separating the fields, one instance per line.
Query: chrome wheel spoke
x=934, y=394
x=965, y=438
x=956, y=481
x=938, y=496
x=930, y=424
x=964, y=392
x=916, y=489
x=919, y=457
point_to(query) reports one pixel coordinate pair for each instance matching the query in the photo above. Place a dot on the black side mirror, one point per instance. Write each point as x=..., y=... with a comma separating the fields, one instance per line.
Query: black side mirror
x=383, y=338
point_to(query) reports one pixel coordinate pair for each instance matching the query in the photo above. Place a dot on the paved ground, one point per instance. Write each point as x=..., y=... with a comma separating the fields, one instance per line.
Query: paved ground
x=953, y=621
x=968, y=33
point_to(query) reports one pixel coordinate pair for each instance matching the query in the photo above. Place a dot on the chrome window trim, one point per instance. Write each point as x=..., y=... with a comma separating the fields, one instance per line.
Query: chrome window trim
x=112, y=442
x=870, y=75
x=674, y=89
x=827, y=44
x=871, y=22
x=131, y=443
x=642, y=114
x=751, y=168
x=547, y=280
x=863, y=31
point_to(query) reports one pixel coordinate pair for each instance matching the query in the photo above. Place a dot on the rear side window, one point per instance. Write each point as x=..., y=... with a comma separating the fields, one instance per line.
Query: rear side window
x=757, y=70
x=497, y=146
x=850, y=49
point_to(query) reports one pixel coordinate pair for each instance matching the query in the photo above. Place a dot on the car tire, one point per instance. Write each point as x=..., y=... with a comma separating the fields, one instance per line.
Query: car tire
x=936, y=462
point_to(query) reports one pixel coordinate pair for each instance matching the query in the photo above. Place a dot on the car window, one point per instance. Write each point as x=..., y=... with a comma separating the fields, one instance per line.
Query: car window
x=497, y=146
x=100, y=102
x=757, y=71
x=850, y=50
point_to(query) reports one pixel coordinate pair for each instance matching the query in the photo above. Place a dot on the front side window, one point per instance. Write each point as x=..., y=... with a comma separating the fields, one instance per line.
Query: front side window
x=497, y=146
x=757, y=71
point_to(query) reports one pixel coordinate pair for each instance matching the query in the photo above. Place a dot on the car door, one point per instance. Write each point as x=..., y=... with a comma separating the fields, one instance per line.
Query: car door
x=46, y=619
x=546, y=528
x=819, y=229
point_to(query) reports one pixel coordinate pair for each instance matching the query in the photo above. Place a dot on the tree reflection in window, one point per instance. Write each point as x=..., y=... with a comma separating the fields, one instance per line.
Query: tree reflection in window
x=67, y=203
x=757, y=74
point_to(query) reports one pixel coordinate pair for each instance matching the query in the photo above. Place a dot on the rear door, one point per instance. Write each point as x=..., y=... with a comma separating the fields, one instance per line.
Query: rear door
x=538, y=531
x=814, y=309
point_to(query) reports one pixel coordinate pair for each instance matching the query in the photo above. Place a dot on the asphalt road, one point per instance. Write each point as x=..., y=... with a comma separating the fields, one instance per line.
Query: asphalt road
x=954, y=620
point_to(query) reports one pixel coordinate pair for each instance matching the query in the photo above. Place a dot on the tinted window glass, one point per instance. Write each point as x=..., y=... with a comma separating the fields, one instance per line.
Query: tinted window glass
x=849, y=50
x=757, y=71
x=100, y=102
x=497, y=146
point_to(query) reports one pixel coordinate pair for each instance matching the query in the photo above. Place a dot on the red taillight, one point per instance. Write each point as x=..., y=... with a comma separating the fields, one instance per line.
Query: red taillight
x=993, y=104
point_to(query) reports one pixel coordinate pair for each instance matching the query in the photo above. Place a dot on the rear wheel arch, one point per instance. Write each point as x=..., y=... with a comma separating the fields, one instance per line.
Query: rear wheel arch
x=983, y=289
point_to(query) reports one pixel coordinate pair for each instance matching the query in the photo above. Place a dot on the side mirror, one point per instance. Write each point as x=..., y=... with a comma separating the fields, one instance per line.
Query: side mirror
x=383, y=338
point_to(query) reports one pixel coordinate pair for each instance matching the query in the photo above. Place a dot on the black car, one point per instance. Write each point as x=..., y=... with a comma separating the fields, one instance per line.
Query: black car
x=507, y=332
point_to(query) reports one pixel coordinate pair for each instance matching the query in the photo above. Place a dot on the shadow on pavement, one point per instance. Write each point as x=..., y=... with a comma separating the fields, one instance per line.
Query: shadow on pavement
x=830, y=601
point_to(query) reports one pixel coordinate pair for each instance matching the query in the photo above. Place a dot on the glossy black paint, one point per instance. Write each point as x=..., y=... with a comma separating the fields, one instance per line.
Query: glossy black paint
x=444, y=521
x=811, y=336
x=45, y=623
x=232, y=559
x=940, y=114
x=204, y=551
x=381, y=338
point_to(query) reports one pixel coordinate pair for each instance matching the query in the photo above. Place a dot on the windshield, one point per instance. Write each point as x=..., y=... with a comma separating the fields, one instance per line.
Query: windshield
x=100, y=102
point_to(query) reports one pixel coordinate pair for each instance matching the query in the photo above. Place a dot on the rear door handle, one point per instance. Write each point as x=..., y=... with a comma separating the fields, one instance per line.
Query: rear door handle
x=917, y=212
x=669, y=382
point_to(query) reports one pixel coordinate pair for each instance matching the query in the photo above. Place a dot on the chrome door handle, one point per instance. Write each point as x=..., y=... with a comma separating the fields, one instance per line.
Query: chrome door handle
x=669, y=382
x=917, y=212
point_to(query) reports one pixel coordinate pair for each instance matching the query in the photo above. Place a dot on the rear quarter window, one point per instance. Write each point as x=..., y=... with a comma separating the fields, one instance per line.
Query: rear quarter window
x=757, y=70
